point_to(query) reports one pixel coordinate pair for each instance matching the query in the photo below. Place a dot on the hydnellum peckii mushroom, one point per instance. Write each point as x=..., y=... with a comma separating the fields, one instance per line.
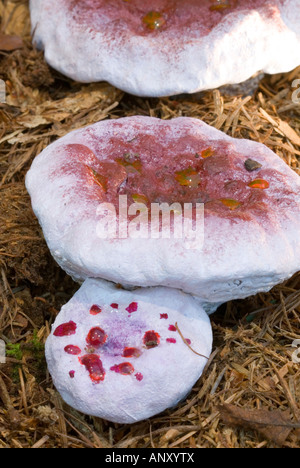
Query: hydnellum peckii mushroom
x=246, y=242
x=169, y=46
x=127, y=355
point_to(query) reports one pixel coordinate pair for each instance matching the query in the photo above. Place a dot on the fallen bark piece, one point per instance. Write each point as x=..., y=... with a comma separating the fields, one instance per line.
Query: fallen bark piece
x=170, y=46
x=246, y=242
x=121, y=365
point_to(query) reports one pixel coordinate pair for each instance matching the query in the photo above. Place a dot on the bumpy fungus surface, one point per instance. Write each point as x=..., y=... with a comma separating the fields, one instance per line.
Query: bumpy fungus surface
x=126, y=367
x=251, y=202
x=197, y=44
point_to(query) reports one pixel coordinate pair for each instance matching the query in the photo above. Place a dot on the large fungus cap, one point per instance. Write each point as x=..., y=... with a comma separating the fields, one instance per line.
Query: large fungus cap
x=125, y=356
x=169, y=46
x=251, y=202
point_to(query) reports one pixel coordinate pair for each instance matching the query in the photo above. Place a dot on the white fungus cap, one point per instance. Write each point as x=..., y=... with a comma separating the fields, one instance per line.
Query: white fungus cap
x=251, y=200
x=169, y=47
x=127, y=355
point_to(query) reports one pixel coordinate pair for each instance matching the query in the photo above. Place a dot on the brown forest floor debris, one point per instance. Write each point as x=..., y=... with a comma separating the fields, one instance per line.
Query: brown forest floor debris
x=249, y=394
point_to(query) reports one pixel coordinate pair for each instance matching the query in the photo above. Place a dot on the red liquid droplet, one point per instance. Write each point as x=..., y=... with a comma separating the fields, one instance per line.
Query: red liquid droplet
x=172, y=328
x=70, y=349
x=151, y=339
x=72, y=374
x=125, y=368
x=164, y=316
x=188, y=341
x=171, y=340
x=96, y=337
x=95, y=310
x=131, y=352
x=65, y=329
x=93, y=365
x=132, y=307
x=114, y=306
x=139, y=376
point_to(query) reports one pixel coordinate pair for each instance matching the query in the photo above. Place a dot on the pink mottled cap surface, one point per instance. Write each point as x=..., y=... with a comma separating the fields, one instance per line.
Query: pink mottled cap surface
x=251, y=201
x=168, y=46
x=132, y=359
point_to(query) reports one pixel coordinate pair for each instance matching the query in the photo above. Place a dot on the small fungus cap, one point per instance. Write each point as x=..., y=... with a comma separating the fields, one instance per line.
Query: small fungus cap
x=244, y=241
x=127, y=355
x=196, y=44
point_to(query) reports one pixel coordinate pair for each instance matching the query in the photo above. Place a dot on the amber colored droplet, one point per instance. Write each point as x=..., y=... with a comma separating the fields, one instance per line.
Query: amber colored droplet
x=220, y=5
x=93, y=365
x=138, y=198
x=65, y=329
x=98, y=178
x=131, y=352
x=131, y=165
x=96, y=337
x=154, y=20
x=207, y=153
x=171, y=340
x=71, y=349
x=230, y=203
x=125, y=368
x=259, y=184
x=133, y=307
x=95, y=310
x=188, y=177
x=151, y=339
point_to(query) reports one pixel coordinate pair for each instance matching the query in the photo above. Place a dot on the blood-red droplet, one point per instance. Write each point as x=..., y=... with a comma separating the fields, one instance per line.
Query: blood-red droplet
x=71, y=349
x=131, y=352
x=151, y=339
x=93, y=365
x=72, y=374
x=164, y=316
x=132, y=307
x=114, y=305
x=65, y=329
x=171, y=340
x=139, y=376
x=172, y=328
x=188, y=341
x=125, y=368
x=95, y=310
x=96, y=337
